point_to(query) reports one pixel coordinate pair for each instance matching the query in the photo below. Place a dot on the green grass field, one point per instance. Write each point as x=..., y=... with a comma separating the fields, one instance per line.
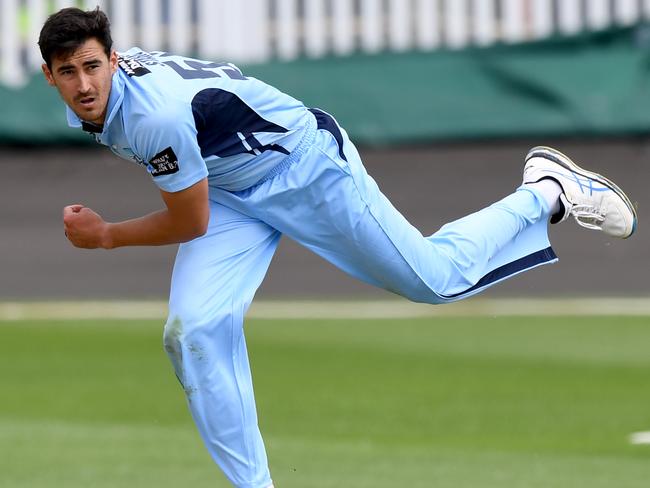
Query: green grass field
x=438, y=402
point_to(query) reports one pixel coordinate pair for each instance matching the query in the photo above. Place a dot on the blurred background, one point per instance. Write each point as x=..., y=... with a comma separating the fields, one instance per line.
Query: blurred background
x=443, y=98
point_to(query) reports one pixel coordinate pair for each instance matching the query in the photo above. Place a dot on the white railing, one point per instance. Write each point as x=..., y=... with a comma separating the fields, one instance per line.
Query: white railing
x=252, y=31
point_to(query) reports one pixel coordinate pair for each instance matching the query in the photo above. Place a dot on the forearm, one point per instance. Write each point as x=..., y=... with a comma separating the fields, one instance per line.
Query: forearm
x=155, y=229
x=185, y=217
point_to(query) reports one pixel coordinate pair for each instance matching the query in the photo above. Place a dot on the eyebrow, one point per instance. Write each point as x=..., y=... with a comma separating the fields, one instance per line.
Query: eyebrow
x=85, y=63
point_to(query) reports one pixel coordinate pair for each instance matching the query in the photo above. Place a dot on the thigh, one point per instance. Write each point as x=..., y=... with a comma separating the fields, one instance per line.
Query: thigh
x=224, y=267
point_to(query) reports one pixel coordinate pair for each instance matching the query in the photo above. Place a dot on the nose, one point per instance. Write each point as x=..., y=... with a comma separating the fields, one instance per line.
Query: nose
x=84, y=83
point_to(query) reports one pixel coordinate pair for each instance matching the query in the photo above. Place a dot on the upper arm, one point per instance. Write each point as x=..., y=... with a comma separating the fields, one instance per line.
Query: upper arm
x=189, y=208
x=166, y=142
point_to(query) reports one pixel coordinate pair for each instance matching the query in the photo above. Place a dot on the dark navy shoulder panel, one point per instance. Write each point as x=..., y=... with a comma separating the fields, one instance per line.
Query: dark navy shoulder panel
x=225, y=125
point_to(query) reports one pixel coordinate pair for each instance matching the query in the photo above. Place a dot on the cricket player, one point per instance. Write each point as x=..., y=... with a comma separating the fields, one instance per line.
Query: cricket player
x=238, y=164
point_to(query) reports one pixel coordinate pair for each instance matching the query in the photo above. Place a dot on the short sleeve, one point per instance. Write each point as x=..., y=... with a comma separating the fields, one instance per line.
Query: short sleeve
x=166, y=142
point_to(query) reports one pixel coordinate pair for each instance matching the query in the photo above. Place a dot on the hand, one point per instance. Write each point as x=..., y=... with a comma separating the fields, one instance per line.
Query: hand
x=85, y=228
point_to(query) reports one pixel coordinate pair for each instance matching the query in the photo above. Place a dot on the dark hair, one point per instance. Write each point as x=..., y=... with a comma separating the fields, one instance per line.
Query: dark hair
x=66, y=30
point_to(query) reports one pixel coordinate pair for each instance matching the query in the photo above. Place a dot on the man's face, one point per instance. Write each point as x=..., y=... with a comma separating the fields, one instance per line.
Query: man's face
x=84, y=80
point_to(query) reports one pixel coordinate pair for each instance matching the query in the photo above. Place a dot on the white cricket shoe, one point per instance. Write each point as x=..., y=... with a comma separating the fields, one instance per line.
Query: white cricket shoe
x=594, y=201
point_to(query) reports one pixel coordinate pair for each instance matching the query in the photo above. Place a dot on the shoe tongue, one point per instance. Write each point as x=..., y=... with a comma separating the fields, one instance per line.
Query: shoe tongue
x=564, y=212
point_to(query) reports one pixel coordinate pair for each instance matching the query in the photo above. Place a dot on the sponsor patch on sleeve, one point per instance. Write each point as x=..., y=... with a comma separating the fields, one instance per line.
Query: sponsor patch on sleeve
x=164, y=163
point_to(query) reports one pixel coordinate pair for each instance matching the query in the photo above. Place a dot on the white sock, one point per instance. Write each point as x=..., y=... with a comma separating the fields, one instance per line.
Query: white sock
x=551, y=191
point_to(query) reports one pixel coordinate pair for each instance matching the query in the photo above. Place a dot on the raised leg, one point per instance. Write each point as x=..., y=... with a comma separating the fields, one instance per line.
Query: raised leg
x=328, y=203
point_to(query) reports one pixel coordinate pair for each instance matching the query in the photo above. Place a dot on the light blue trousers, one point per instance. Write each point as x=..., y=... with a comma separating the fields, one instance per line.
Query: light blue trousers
x=324, y=199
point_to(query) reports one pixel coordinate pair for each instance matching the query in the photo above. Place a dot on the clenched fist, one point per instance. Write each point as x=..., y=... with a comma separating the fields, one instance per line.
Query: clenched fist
x=84, y=228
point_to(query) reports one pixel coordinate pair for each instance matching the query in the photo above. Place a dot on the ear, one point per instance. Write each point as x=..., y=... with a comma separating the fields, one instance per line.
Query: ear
x=48, y=75
x=113, y=61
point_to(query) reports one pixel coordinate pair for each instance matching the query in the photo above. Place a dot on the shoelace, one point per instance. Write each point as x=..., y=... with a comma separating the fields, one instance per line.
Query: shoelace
x=588, y=217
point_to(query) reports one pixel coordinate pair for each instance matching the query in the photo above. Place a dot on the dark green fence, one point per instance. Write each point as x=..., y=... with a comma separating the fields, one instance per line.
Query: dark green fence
x=595, y=84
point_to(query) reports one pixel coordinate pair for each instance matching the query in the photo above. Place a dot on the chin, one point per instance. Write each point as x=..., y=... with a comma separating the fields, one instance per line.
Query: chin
x=91, y=117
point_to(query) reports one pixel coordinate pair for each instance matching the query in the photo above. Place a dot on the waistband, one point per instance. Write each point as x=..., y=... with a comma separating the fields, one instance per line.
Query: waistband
x=301, y=148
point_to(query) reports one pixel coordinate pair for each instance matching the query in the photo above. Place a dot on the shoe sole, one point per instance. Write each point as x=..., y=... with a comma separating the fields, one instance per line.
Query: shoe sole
x=566, y=162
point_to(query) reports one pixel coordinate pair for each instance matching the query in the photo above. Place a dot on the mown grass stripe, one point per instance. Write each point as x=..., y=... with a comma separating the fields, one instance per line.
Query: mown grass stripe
x=312, y=309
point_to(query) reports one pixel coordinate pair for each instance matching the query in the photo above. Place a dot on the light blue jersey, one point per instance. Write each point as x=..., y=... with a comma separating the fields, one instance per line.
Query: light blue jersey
x=185, y=119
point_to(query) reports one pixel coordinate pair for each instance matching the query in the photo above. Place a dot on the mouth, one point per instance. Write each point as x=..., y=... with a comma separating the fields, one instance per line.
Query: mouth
x=87, y=102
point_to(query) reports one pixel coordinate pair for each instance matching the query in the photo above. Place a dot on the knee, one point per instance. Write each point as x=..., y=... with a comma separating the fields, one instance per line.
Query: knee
x=172, y=335
x=200, y=348
x=172, y=342
x=179, y=331
x=182, y=323
x=190, y=330
x=185, y=347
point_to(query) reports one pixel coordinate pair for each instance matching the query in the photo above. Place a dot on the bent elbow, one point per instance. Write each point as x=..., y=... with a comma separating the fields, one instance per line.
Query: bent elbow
x=201, y=229
x=197, y=230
